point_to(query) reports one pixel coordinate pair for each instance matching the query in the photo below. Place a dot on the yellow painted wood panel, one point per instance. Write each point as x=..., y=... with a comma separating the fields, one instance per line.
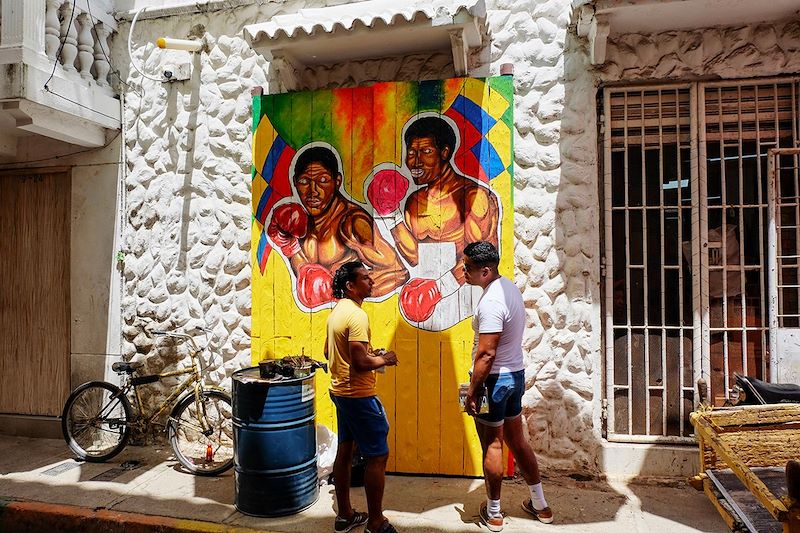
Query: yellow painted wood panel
x=365, y=131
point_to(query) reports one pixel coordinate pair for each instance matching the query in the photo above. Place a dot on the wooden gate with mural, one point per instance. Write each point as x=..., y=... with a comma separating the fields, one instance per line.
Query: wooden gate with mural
x=400, y=176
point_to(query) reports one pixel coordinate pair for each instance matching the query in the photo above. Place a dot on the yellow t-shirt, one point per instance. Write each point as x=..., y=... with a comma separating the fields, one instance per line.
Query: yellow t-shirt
x=348, y=323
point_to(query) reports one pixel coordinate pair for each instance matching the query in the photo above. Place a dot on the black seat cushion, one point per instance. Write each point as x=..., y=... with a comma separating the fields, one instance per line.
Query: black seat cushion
x=124, y=366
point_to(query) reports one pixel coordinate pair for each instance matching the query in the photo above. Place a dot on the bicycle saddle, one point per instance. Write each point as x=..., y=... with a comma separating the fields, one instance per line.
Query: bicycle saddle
x=130, y=368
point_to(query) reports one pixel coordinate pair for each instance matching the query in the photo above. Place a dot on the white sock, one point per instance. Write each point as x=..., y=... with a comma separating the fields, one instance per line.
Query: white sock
x=492, y=507
x=537, y=496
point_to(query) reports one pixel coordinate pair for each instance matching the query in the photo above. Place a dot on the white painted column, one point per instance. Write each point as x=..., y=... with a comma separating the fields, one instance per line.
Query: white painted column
x=69, y=36
x=23, y=24
x=85, y=44
x=52, y=29
x=101, y=51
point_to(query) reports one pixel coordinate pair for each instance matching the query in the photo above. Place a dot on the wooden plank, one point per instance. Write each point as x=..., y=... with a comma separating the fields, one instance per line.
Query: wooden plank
x=429, y=416
x=406, y=411
x=34, y=292
x=754, y=414
x=451, y=460
x=385, y=314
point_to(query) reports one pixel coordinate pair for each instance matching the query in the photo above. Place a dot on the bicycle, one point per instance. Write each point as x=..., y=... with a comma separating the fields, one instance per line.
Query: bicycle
x=97, y=418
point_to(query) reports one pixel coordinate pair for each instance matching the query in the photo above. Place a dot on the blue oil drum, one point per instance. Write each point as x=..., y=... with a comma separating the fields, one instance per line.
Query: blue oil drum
x=275, y=445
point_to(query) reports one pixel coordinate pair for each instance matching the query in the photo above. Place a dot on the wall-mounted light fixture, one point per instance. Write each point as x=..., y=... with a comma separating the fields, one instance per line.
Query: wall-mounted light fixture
x=180, y=44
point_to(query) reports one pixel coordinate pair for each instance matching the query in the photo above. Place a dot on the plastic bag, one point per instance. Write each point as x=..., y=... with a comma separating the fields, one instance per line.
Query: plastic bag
x=326, y=452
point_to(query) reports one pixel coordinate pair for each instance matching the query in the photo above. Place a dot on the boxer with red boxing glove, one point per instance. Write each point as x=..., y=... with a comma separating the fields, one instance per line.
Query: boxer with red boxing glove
x=419, y=296
x=337, y=231
x=447, y=206
x=289, y=224
x=314, y=285
x=385, y=191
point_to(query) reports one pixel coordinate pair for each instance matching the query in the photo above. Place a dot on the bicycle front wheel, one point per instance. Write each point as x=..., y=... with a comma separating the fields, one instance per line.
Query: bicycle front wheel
x=201, y=433
x=95, y=421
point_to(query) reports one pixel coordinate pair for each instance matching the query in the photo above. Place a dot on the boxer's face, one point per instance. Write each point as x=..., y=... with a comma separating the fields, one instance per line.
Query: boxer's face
x=425, y=161
x=316, y=188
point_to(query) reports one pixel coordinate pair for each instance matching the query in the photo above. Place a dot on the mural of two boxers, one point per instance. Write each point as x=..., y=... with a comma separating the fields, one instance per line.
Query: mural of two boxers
x=400, y=176
x=319, y=204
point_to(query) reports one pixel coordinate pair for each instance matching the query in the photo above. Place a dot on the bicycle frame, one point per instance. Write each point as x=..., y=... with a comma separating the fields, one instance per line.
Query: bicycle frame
x=195, y=371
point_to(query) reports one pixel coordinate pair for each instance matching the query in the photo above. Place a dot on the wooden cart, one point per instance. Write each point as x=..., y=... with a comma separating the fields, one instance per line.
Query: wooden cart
x=743, y=456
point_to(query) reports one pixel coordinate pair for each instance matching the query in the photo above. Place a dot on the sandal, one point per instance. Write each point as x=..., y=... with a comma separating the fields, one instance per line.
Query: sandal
x=343, y=525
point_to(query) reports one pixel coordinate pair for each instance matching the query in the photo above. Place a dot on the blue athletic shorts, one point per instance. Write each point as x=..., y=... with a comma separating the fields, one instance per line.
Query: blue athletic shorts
x=505, y=392
x=363, y=420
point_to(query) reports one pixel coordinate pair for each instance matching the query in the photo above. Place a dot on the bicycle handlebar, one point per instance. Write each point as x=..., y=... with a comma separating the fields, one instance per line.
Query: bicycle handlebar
x=171, y=334
x=196, y=350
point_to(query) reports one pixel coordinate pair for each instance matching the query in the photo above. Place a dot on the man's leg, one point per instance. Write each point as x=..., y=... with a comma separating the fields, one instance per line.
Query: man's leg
x=341, y=478
x=491, y=438
x=374, y=482
x=523, y=453
x=526, y=459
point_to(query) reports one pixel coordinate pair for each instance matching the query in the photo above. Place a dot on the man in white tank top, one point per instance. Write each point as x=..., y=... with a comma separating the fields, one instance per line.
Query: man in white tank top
x=497, y=366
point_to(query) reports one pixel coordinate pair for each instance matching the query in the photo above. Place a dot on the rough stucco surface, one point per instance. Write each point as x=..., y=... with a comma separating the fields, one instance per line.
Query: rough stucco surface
x=555, y=226
x=735, y=52
x=188, y=214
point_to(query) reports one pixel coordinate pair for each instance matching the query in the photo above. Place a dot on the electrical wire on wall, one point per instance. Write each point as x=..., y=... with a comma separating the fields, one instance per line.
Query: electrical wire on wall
x=114, y=71
x=46, y=86
x=130, y=47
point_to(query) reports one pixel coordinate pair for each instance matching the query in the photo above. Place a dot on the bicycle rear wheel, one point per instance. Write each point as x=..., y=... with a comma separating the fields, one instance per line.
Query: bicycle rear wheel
x=201, y=433
x=95, y=421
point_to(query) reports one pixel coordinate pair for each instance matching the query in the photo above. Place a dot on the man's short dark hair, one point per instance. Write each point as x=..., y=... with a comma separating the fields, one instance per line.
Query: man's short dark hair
x=483, y=254
x=317, y=154
x=434, y=127
x=346, y=272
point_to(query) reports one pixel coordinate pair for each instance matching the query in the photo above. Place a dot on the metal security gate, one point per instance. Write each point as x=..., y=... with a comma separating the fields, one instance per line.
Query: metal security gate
x=686, y=245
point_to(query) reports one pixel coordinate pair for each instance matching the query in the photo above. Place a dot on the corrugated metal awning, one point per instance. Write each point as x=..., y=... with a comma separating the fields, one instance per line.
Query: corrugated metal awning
x=369, y=29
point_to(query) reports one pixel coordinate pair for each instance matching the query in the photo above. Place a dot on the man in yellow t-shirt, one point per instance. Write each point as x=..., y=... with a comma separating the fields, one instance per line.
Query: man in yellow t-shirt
x=359, y=412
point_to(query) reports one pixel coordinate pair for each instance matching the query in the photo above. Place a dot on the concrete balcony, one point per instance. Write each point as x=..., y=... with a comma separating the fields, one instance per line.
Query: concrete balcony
x=55, y=82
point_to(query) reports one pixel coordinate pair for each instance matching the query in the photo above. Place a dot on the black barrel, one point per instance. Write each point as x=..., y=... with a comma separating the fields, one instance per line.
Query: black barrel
x=275, y=445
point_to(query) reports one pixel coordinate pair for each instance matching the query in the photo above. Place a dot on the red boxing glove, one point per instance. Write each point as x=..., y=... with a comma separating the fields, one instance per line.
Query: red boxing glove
x=288, y=224
x=314, y=285
x=385, y=192
x=418, y=299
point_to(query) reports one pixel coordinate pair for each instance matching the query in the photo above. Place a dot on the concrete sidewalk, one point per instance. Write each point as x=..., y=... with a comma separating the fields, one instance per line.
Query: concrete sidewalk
x=143, y=489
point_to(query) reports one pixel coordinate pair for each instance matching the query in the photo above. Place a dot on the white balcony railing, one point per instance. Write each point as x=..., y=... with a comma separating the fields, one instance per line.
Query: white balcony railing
x=56, y=54
x=85, y=36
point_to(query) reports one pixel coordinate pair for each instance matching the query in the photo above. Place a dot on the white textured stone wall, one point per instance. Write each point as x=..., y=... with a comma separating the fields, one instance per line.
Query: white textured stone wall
x=188, y=217
x=556, y=226
x=188, y=214
x=727, y=53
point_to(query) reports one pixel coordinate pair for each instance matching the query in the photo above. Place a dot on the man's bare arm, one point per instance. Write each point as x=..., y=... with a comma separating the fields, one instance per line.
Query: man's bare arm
x=363, y=361
x=487, y=351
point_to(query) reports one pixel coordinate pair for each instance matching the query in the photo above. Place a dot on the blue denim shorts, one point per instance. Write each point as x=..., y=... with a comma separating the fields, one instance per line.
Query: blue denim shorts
x=363, y=420
x=505, y=392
